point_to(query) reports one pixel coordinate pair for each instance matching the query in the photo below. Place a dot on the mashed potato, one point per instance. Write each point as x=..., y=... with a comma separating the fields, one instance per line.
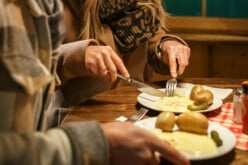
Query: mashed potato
x=173, y=104
x=189, y=142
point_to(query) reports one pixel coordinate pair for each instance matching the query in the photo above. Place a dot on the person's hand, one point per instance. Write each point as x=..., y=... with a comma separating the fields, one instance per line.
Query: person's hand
x=130, y=144
x=102, y=60
x=176, y=56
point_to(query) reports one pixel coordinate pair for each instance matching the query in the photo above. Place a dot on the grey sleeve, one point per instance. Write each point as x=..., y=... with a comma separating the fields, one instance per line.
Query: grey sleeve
x=39, y=148
x=88, y=143
x=77, y=143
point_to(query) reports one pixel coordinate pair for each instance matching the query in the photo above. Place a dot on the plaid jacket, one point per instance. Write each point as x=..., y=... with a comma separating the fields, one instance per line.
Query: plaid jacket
x=31, y=32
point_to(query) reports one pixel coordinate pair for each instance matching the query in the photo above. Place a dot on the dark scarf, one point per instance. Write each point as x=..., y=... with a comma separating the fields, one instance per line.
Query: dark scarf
x=131, y=25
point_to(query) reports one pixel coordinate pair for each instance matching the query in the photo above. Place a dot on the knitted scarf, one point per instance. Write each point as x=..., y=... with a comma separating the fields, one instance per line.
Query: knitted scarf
x=132, y=22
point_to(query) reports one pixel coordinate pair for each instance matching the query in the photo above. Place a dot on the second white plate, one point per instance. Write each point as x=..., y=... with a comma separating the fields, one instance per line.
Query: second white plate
x=228, y=138
x=149, y=101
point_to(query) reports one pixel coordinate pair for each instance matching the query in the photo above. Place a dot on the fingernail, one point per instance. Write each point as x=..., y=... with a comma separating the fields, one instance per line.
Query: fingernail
x=174, y=75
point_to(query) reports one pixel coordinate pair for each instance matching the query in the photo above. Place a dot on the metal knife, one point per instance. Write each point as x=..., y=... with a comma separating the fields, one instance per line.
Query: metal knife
x=142, y=87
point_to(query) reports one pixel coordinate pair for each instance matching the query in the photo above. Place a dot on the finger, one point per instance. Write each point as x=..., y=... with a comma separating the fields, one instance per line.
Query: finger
x=112, y=70
x=172, y=56
x=157, y=156
x=183, y=59
x=103, y=71
x=181, y=64
x=169, y=55
x=119, y=64
x=155, y=160
x=181, y=69
x=102, y=67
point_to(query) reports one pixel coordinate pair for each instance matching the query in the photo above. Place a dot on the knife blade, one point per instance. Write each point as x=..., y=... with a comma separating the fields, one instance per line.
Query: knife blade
x=142, y=87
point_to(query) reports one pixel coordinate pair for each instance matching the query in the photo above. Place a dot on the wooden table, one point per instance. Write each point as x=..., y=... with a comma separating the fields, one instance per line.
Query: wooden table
x=122, y=101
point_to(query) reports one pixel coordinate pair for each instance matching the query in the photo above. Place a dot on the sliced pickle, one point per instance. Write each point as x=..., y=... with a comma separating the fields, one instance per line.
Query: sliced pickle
x=194, y=107
x=215, y=136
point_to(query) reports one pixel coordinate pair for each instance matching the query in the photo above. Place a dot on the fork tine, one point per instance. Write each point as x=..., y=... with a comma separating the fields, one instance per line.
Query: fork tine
x=167, y=88
x=174, y=85
x=170, y=87
x=138, y=115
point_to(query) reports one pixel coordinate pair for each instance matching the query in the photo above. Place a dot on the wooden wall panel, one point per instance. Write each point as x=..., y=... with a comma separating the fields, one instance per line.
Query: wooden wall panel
x=228, y=60
x=215, y=60
x=219, y=47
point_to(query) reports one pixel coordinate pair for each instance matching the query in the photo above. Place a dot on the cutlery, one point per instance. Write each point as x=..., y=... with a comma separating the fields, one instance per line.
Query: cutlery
x=170, y=87
x=142, y=87
x=138, y=115
x=135, y=117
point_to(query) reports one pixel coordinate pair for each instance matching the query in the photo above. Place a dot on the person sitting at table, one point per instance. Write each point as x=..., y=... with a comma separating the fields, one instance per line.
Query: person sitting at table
x=31, y=32
x=135, y=29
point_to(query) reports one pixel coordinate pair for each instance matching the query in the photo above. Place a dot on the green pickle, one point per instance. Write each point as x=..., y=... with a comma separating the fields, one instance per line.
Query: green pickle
x=194, y=107
x=215, y=136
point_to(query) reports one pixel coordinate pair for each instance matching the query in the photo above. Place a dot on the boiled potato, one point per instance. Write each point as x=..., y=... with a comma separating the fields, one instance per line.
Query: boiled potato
x=165, y=121
x=192, y=121
x=201, y=96
x=195, y=90
x=204, y=96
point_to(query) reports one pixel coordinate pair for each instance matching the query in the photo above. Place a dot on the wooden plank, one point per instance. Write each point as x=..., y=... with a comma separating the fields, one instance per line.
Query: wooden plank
x=213, y=37
x=228, y=60
x=208, y=25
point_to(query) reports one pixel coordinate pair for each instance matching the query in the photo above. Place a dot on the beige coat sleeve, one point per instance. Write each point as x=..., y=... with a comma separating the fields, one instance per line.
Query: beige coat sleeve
x=71, y=64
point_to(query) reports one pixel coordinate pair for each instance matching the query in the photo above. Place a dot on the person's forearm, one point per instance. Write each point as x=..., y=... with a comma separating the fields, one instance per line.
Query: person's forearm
x=71, y=63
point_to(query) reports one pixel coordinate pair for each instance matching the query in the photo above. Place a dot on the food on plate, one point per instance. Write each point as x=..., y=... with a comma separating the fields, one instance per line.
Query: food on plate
x=197, y=99
x=195, y=89
x=192, y=121
x=189, y=142
x=174, y=104
x=194, y=107
x=191, y=135
x=215, y=136
x=166, y=121
x=201, y=96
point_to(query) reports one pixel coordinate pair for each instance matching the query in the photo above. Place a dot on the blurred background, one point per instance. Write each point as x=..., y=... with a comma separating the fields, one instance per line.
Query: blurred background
x=207, y=8
x=216, y=31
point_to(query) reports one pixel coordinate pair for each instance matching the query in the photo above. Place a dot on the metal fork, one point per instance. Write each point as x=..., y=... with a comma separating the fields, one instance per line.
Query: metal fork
x=138, y=115
x=170, y=87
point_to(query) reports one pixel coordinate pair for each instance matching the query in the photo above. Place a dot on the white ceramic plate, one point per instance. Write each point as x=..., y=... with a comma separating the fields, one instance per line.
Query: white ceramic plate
x=228, y=138
x=149, y=101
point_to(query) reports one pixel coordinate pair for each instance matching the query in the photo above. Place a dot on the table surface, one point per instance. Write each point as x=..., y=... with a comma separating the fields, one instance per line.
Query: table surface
x=109, y=105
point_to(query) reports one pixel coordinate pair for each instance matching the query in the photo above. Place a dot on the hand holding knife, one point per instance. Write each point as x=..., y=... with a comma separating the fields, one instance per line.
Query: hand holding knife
x=142, y=87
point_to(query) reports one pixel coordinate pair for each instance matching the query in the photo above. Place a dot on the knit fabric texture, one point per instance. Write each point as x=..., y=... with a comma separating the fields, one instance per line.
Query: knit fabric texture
x=131, y=24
